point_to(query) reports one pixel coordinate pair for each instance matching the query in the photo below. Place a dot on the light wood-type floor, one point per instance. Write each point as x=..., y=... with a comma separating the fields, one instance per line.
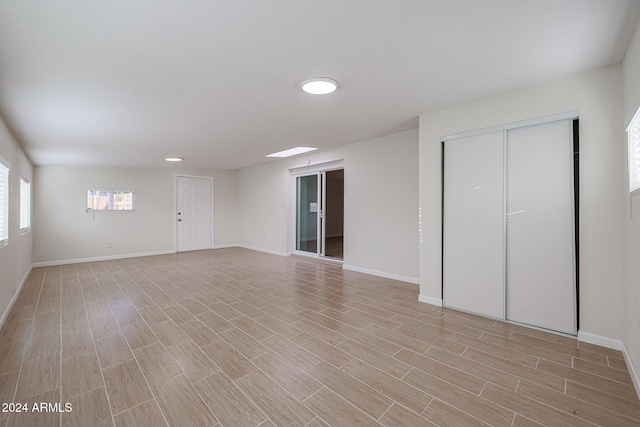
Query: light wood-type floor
x=233, y=337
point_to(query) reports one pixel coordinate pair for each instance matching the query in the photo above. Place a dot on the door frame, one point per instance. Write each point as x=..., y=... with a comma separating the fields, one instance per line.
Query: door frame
x=306, y=170
x=175, y=207
x=569, y=115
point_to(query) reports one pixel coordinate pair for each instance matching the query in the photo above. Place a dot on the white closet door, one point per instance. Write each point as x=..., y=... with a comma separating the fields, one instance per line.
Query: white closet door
x=540, y=240
x=474, y=224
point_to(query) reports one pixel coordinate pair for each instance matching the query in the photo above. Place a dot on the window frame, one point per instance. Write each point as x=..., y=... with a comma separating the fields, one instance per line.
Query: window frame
x=110, y=194
x=25, y=183
x=5, y=169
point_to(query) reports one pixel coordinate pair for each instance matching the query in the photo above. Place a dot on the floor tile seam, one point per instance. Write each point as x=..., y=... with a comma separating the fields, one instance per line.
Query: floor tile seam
x=605, y=407
x=400, y=333
x=468, y=323
x=376, y=308
x=153, y=399
x=488, y=367
x=554, y=338
x=317, y=324
x=235, y=382
x=629, y=382
x=339, y=396
x=146, y=380
x=319, y=356
x=95, y=348
x=408, y=313
x=62, y=359
x=319, y=379
x=66, y=398
x=449, y=382
x=447, y=329
x=571, y=354
x=501, y=347
x=581, y=382
x=350, y=309
x=24, y=351
x=335, y=346
x=588, y=403
x=291, y=395
x=518, y=376
x=475, y=377
x=410, y=386
x=571, y=414
x=444, y=402
x=513, y=420
x=619, y=360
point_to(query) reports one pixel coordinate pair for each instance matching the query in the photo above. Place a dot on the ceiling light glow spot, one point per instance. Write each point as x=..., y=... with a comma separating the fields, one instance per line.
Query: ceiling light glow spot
x=319, y=86
x=174, y=159
x=291, y=152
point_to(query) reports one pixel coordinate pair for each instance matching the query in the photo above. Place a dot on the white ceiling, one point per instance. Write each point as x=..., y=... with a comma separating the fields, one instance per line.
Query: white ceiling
x=127, y=83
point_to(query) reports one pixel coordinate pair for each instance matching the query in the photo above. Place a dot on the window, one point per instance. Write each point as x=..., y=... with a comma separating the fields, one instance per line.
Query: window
x=634, y=152
x=4, y=204
x=25, y=205
x=110, y=200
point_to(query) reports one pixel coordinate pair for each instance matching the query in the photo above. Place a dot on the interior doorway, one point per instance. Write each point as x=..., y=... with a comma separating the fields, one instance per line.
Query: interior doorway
x=194, y=213
x=320, y=214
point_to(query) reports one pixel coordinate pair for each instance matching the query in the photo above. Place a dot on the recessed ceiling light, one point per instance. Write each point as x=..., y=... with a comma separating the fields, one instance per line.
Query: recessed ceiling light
x=291, y=152
x=319, y=86
x=174, y=159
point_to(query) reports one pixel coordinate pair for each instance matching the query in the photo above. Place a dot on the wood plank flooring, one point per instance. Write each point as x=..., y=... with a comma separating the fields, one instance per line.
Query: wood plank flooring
x=233, y=337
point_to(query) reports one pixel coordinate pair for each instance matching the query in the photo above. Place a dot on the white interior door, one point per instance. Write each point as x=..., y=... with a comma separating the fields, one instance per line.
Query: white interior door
x=540, y=226
x=194, y=213
x=474, y=267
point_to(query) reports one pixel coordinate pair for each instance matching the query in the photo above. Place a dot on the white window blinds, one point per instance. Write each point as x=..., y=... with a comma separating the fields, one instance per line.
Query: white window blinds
x=25, y=205
x=634, y=152
x=4, y=204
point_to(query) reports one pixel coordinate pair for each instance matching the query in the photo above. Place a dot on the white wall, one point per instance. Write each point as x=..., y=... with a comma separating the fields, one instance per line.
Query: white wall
x=597, y=95
x=16, y=257
x=67, y=232
x=380, y=192
x=631, y=295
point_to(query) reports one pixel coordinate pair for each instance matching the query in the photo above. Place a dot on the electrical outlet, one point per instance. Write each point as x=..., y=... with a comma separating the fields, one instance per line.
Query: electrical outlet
x=109, y=244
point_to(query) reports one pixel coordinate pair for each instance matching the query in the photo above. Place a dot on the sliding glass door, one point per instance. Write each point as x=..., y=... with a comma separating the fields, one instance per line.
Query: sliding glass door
x=320, y=213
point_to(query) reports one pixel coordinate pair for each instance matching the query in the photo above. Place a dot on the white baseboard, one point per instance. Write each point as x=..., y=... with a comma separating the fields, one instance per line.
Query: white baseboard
x=100, y=258
x=391, y=276
x=225, y=246
x=632, y=370
x=268, y=251
x=15, y=296
x=614, y=345
x=430, y=300
x=600, y=340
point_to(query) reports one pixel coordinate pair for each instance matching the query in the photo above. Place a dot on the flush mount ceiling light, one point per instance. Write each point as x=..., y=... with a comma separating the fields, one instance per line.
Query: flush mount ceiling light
x=291, y=152
x=319, y=86
x=174, y=159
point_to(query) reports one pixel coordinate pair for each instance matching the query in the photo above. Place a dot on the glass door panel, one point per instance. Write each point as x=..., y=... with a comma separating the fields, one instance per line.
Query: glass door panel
x=307, y=213
x=333, y=214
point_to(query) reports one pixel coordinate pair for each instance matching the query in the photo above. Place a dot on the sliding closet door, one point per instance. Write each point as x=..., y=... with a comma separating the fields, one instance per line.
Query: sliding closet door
x=540, y=230
x=474, y=224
